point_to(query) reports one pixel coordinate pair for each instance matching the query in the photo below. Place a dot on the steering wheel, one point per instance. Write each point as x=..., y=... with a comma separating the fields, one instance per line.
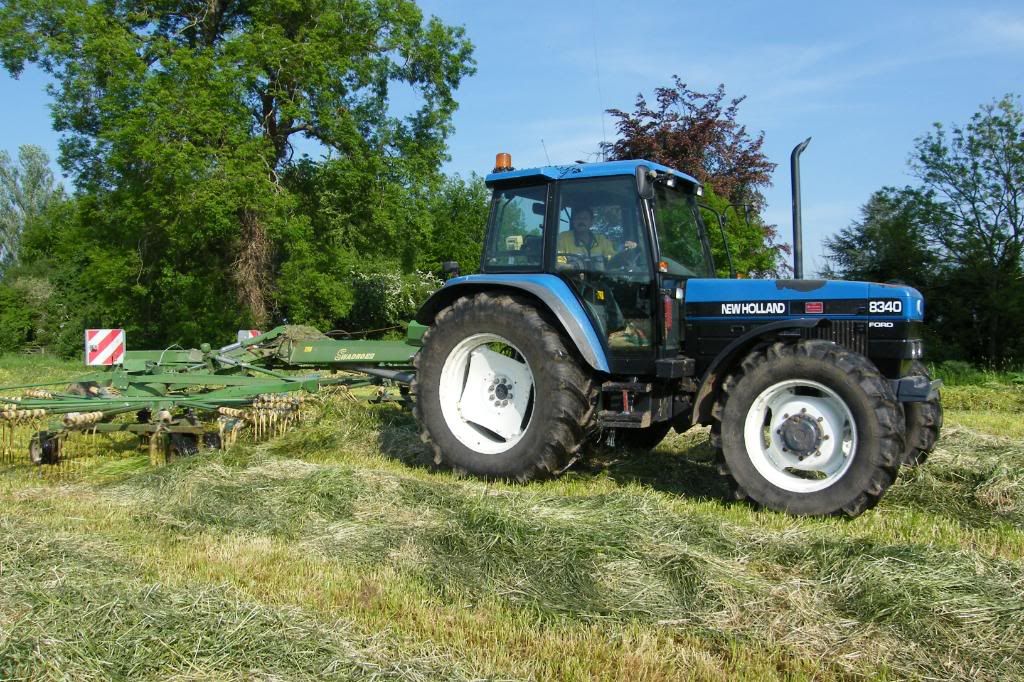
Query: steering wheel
x=627, y=260
x=573, y=262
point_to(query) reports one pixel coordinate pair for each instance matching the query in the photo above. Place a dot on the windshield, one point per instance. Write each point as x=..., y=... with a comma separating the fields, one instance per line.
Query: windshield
x=679, y=233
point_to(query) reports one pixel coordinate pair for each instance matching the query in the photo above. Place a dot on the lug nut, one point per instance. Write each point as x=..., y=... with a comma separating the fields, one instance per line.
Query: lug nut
x=825, y=437
x=821, y=419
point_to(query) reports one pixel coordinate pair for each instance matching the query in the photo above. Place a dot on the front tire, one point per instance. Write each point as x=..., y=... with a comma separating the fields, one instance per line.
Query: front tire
x=924, y=422
x=810, y=428
x=499, y=393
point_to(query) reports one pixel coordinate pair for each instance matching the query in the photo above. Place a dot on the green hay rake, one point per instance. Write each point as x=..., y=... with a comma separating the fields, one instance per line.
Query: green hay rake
x=184, y=399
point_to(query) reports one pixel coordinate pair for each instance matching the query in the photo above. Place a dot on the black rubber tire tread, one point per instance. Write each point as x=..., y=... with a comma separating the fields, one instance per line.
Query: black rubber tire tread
x=646, y=438
x=44, y=448
x=858, y=382
x=564, y=412
x=183, y=444
x=924, y=422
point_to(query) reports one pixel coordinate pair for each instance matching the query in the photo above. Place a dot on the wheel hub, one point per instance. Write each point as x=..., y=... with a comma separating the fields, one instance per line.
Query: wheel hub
x=500, y=392
x=801, y=434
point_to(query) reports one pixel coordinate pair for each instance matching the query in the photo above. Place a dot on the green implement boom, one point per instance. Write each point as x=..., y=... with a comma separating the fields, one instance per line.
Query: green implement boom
x=258, y=383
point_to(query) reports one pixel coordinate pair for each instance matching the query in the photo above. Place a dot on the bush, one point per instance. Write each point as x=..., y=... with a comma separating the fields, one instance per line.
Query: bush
x=386, y=298
x=15, y=319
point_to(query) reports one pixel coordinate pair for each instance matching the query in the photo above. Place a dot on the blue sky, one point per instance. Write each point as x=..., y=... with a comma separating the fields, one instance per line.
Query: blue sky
x=863, y=79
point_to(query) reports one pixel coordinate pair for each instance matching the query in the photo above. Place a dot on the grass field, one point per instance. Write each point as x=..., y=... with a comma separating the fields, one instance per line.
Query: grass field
x=335, y=552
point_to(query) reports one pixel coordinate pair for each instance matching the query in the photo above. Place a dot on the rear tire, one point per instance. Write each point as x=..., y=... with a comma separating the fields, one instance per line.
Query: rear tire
x=924, y=422
x=499, y=393
x=811, y=429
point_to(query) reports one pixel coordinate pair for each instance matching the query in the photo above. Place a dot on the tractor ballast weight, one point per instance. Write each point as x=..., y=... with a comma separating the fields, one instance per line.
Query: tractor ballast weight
x=598, y=313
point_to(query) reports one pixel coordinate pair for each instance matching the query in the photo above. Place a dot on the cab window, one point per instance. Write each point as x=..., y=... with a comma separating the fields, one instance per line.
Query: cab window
x=515, y=229
x=679, y=236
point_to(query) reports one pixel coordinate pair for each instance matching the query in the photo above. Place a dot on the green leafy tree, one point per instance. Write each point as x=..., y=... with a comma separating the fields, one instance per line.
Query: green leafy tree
x=958, y=235
x=391, y=226
x=889, y=242
x=180, y=120
x=747, y=236
x=974, y=175
x=458, y=213
x=27, y=188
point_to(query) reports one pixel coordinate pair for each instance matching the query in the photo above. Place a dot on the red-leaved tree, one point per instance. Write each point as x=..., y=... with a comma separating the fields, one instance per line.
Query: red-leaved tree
x=697, y=133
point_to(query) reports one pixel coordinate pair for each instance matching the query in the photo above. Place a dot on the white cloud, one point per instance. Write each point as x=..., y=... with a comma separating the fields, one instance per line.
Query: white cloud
x=997, y=30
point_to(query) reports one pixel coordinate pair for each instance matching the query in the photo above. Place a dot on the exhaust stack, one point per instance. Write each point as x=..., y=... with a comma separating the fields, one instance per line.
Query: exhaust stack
x=798, y=236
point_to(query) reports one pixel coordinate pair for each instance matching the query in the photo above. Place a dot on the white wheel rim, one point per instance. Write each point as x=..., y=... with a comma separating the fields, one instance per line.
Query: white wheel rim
x=800, y=435
x=486, y=396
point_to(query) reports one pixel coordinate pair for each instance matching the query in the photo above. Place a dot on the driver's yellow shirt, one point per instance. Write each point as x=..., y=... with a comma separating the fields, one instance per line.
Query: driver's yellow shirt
x=600, y=246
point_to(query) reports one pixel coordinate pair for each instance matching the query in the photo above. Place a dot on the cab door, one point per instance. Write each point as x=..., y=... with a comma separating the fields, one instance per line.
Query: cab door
x=600, y=244
x=683, y=252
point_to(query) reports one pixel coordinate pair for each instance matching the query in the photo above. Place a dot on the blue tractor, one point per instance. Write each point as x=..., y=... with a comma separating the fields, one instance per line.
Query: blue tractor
x=597, y=314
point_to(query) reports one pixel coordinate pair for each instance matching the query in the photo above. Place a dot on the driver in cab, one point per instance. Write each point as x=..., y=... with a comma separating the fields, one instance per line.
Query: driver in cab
x=581, y=241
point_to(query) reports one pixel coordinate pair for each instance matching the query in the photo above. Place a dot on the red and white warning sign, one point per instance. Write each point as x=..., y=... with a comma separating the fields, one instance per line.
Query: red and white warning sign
x=104, y=346
x=246, y=334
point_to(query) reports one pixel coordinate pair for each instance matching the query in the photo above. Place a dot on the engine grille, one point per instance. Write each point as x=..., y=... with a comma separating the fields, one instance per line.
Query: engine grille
x=848, y=333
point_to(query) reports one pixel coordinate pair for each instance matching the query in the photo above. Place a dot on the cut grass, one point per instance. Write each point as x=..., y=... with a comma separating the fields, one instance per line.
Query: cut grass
x=337, y=551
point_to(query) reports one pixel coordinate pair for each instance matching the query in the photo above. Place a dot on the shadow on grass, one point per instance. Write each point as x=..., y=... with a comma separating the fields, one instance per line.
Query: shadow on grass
x=682, y=465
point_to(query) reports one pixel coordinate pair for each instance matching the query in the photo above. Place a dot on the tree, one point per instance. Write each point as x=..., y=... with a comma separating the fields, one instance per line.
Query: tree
x=974, y=175
x=958, y=235
x=180, y=120
x=888, y=243
x=751, y=246
x=26, y=190
x=698, y=133
x=458, y=213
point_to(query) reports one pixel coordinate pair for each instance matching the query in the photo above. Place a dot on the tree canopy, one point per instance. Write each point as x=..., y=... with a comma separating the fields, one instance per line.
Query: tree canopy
x=698, y=133
x=958, y=235
x=26, y=190
x=180, y=122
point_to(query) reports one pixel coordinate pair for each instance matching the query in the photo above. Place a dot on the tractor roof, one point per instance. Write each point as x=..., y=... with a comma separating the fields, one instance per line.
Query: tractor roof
x=584, y=170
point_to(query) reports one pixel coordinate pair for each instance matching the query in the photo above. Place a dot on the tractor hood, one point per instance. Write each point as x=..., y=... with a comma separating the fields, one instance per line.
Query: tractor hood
x=787, y=298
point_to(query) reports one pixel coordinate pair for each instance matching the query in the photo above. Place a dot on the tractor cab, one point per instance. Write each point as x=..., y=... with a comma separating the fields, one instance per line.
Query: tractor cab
x=625, y=236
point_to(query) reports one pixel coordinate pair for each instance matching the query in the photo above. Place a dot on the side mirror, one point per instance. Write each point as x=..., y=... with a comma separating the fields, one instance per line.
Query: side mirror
x=644, y=182
x=538, y=209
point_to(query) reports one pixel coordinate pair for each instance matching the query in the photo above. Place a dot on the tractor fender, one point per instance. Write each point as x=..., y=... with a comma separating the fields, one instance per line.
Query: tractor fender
x=711, y=381
x=550, y=292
